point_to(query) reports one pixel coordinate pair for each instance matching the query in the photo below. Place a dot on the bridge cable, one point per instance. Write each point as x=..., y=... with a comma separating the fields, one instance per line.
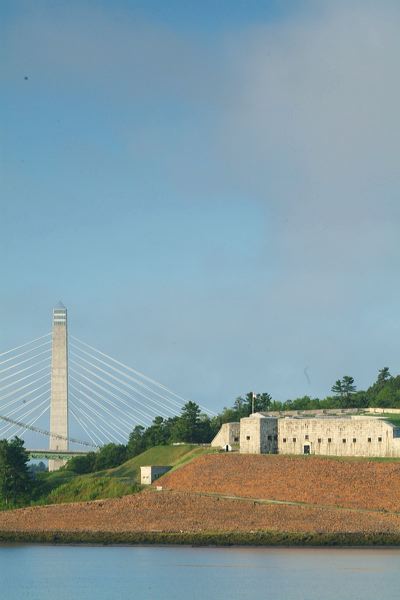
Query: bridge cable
x=23, y=378
x=18, y=434
x=99, y=427
x=25, y=404
x=116, y=427
x=132, y=409
x=107, y=436
x=80, y=422
x=160, y=385
x=21, y=362
x=3, y=362
x=134, y=379
x=23, y=416
x=138, y=410
x=23, y=396
x=103, y=408
x=11, y=375
x=151, y=412
x=23, y=345
x=45, y=432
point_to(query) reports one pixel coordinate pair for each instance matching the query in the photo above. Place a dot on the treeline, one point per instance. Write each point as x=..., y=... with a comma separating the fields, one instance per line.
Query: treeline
x=191, y=426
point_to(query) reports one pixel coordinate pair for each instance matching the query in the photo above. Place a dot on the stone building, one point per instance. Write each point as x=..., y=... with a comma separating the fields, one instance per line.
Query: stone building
x=258, y=434
x=228, y=437
x=150, y=473
x=350, y=435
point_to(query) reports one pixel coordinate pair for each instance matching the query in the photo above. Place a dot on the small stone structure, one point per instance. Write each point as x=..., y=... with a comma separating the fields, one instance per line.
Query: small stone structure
x=227, y=437
x=333, y=435
x=150, y=473
x=258, y=435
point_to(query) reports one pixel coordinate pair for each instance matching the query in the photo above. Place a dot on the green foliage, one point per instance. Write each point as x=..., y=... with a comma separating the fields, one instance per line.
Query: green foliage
x=190, y=426
x=15, y=481
x=344, y=389
x=82, y=464
x=110, y=456
x=83, y=488
x=64, y=486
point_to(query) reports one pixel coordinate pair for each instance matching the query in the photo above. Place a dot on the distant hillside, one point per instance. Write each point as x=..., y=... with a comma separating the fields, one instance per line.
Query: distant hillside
x=64, y=486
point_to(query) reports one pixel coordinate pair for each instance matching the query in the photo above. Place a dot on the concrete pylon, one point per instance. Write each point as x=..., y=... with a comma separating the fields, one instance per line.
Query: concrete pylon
x=59, y=385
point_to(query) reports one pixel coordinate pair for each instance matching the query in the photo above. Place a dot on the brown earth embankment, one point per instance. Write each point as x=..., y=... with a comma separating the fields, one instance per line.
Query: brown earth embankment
x=185, y=512
x=334, y=502
x=312, y=480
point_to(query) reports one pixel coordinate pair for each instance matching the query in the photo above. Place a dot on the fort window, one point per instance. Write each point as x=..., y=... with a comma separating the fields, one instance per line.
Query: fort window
x=329, y=440
x=319, y=440
x=284, y=440
x=306, y=437
x=235, y=439
x=344, y=440
x=247, y=437
x=354, y=440
x=270, y=438
x=294, y=439
x=370, y=439
x=379, y=439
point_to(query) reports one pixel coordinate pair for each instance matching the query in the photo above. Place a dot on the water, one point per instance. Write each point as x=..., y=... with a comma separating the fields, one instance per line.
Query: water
x=103, y=573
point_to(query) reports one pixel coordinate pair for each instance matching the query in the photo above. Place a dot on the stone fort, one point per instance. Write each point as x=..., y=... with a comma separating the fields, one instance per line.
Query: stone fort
x=326, y=435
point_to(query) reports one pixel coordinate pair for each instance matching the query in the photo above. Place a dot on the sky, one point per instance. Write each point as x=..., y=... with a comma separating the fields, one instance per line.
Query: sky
x=211, y=188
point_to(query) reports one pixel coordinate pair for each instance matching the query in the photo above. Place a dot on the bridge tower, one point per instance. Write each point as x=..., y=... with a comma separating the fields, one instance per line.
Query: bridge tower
x=59, y=384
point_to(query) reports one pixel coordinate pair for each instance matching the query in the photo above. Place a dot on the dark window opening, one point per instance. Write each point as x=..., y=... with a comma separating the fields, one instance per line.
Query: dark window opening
x=235, y=439
x=284, y=440
x=306, y=437
x=329, y=440
x=354, y=440
x=247, y=437
x=370, y=439
x=294, y=439
x=319, y=440
x=307, y=449
x=270, y=438
x=379, y=439
x=344, y=440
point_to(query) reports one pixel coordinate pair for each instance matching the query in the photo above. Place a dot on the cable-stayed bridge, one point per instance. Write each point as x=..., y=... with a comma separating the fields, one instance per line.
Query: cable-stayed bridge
x=59, y=378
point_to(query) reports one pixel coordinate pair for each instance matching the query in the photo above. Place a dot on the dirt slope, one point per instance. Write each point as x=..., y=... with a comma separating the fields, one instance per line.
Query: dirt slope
x=195, y=502
x=313, y=480
x=182, y=512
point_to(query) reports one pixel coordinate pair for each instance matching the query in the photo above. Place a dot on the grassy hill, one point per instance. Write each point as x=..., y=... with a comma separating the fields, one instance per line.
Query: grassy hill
x=65, y=486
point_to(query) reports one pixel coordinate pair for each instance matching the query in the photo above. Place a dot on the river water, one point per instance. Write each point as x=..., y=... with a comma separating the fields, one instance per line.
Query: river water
x=31, y=572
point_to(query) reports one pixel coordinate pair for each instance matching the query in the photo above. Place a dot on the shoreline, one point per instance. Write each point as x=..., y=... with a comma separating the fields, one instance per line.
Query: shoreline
x=221, y=539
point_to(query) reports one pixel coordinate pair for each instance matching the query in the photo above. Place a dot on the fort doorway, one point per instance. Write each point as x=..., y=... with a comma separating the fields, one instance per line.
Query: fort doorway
x=307, y=449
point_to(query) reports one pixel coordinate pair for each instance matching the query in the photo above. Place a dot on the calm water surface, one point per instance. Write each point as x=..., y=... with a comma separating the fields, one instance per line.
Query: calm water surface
x=87, y=573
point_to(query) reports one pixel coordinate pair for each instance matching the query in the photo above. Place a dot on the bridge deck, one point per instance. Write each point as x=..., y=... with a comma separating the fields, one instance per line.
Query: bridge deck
x=61, y=454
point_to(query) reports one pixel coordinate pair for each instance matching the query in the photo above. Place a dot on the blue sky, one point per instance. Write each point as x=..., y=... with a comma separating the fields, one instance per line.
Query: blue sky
x=212, y=188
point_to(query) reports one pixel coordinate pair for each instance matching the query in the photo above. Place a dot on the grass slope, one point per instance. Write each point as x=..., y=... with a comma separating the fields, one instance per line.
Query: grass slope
x=64, y=486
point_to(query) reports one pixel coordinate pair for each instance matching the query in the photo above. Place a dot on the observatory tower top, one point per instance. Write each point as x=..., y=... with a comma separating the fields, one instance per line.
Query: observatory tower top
x=59, y=314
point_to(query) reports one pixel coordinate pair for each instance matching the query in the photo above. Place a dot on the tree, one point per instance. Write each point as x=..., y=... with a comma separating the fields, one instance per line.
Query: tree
x=383, y=375
x=337, y=388
x=15, y=481
x=110, y=455
x=344, y=388
x=82, y=464
x=348, y=385
x=186, y=427
x=136, y=443
x=262, y=402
